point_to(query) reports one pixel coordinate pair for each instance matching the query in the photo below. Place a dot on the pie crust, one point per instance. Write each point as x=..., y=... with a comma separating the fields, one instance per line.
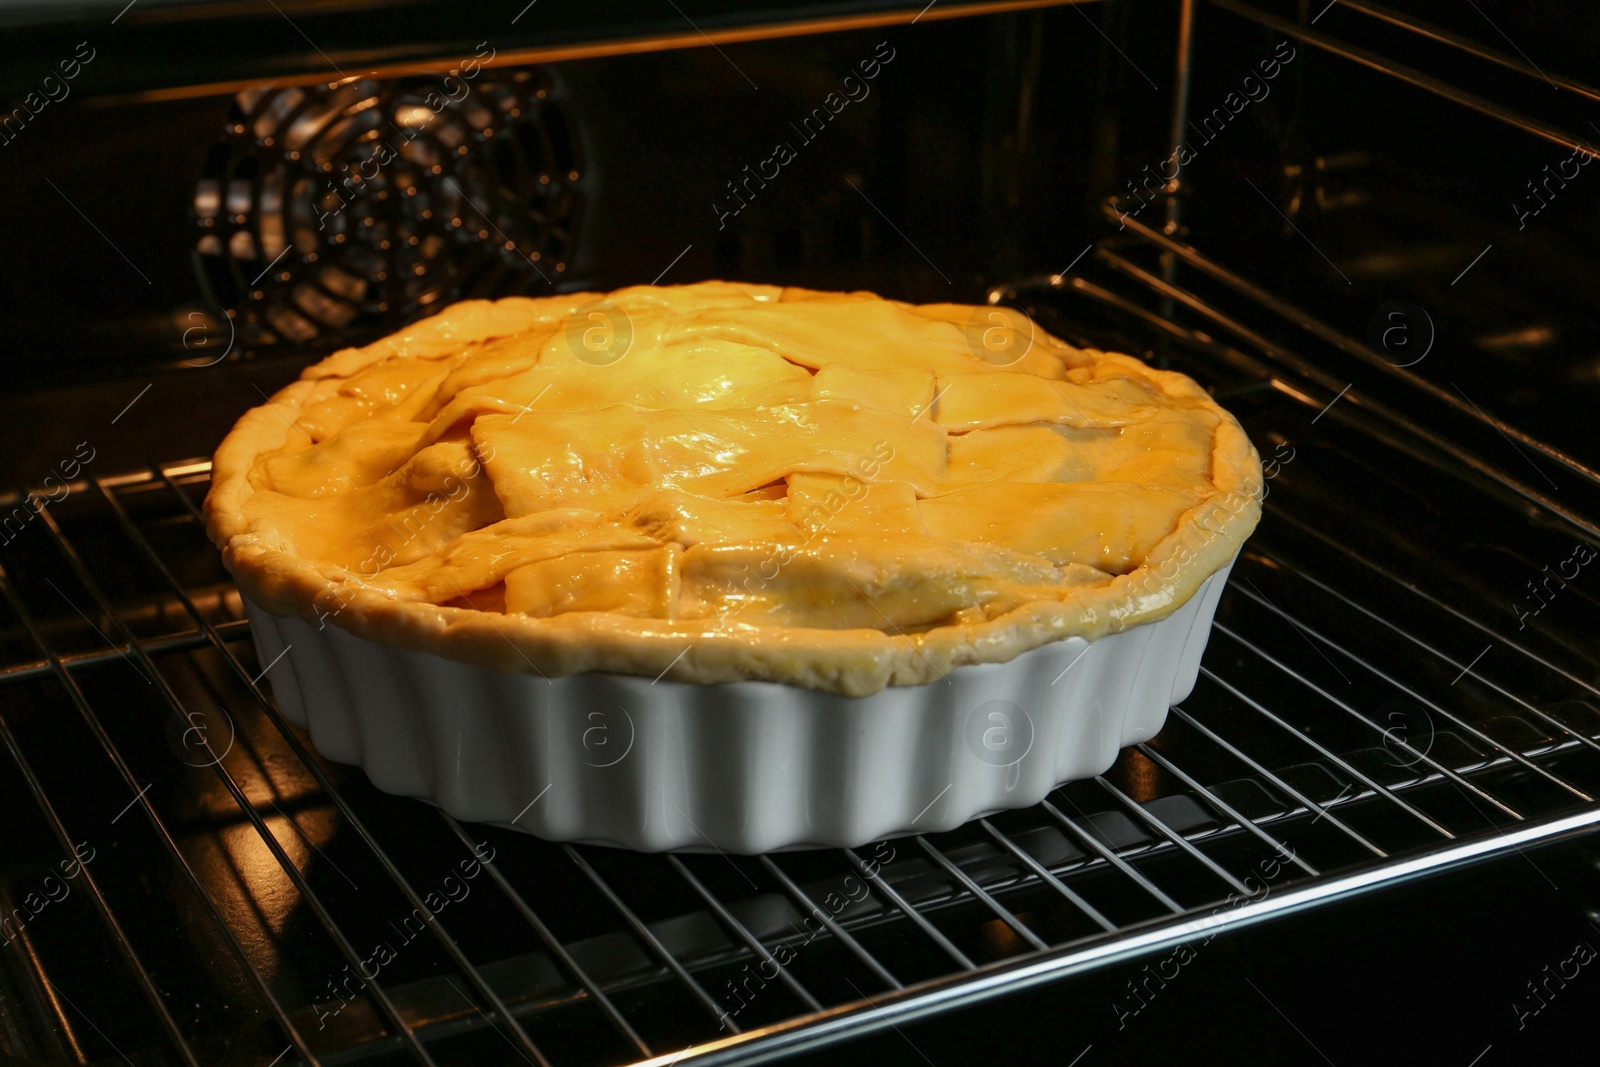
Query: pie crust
x=723, y=482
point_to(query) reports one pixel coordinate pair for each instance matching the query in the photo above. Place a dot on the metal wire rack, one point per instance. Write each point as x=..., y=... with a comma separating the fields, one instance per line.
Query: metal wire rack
x=1370, y=709
x=1367, y=711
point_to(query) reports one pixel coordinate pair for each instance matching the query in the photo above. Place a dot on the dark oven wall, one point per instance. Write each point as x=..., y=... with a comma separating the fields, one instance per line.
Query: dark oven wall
x=1354, y=163
x=925, y=162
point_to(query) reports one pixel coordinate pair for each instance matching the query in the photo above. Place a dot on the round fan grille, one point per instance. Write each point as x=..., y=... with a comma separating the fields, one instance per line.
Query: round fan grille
x=332, y=208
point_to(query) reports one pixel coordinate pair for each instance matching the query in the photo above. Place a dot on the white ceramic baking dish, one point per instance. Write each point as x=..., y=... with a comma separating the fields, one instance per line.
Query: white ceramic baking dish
x=744, y=767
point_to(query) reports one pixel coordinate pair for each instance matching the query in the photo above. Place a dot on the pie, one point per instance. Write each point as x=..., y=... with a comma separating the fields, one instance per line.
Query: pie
x=722, y=482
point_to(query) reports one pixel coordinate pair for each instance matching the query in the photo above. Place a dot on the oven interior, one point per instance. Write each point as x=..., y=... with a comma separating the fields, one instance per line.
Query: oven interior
x=1376, y=257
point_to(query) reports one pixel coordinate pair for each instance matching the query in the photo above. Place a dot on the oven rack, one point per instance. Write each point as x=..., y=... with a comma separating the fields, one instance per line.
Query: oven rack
x=1167, y=846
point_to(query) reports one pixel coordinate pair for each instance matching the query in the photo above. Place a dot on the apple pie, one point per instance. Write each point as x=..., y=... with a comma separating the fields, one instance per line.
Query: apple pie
x=723, y=482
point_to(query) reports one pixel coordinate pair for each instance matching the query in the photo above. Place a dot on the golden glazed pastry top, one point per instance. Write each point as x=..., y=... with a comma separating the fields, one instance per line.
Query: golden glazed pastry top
x=727, y=482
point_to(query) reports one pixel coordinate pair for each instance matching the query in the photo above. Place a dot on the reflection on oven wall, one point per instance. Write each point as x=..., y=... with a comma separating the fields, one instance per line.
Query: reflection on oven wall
x=1369, y=169
x=920, y=162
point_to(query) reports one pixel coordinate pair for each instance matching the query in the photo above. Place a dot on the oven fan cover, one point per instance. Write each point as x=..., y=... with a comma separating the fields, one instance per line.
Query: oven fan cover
x=338, y=209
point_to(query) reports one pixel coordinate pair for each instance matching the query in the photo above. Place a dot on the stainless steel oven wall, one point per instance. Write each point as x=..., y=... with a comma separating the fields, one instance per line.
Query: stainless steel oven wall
x=921, y=160
x=1410, y=174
